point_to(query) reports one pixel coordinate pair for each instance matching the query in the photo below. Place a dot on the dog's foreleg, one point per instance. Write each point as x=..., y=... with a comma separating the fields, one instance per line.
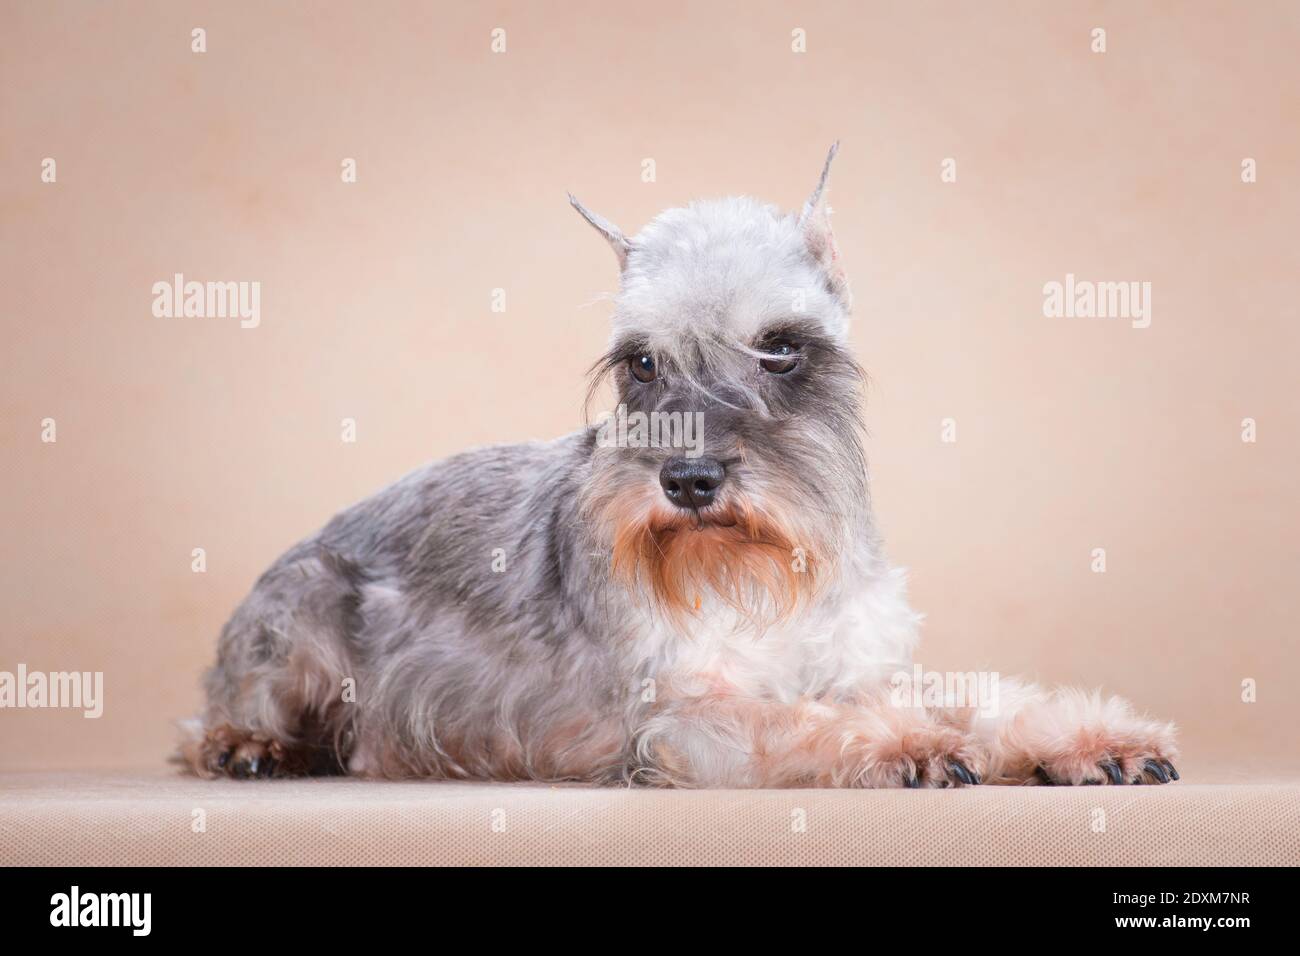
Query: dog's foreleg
x=1070, y=737
x=730, y=741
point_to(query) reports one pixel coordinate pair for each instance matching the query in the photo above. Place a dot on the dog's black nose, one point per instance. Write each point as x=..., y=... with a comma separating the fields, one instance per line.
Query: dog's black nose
x=692, y=482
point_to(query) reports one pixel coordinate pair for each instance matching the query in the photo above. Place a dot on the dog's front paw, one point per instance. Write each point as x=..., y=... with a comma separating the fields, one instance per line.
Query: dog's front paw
x=1075, y=739
x=921, y=755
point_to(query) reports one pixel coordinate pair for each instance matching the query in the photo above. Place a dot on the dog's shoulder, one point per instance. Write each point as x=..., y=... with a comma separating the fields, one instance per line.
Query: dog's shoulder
x=482, y=494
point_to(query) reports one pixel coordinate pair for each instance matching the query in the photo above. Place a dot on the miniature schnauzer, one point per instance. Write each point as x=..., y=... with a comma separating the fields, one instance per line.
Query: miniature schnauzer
x=624, y=612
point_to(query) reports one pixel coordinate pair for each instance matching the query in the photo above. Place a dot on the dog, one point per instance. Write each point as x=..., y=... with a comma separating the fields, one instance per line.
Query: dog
x=636, y=612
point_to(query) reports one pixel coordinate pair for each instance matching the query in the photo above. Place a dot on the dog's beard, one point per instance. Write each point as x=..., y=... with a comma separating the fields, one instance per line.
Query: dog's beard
x=748, y=557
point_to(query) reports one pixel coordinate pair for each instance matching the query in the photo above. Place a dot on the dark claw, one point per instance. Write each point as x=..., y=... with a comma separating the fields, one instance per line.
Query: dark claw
x=240, y=770
x=270, y=766
x=1112, y=770
x=913, y=783
x=1042, y=775
x=1157, y=771
x=1092, y=783
x=223, y=759
x=1173, y=774
x=962, y=774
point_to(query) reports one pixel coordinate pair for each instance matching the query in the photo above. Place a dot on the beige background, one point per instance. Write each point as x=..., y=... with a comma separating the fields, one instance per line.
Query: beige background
x=1072, y=434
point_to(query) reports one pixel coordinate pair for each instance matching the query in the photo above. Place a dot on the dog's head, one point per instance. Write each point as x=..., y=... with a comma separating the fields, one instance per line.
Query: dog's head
x=733, y=466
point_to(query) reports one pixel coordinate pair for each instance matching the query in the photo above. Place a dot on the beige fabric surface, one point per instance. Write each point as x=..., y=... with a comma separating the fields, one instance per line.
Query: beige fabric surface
x=1216, y=816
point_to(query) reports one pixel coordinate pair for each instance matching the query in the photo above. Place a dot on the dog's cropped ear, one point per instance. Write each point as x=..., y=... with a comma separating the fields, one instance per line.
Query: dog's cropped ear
x=815, y=221
x=617, y=241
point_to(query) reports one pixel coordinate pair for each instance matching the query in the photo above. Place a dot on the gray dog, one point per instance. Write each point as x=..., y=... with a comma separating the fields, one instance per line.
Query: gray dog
x=615, y=607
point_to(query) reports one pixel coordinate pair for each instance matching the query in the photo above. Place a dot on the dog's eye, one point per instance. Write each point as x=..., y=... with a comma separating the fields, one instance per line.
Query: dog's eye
x=784, y=358
x=643, y=368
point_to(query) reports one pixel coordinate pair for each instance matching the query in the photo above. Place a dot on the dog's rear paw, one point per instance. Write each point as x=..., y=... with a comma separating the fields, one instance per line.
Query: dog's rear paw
x=225, y=751
x=1077, y=739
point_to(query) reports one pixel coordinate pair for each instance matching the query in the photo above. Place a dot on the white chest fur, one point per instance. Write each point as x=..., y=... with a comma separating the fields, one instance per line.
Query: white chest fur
x=850, y=639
